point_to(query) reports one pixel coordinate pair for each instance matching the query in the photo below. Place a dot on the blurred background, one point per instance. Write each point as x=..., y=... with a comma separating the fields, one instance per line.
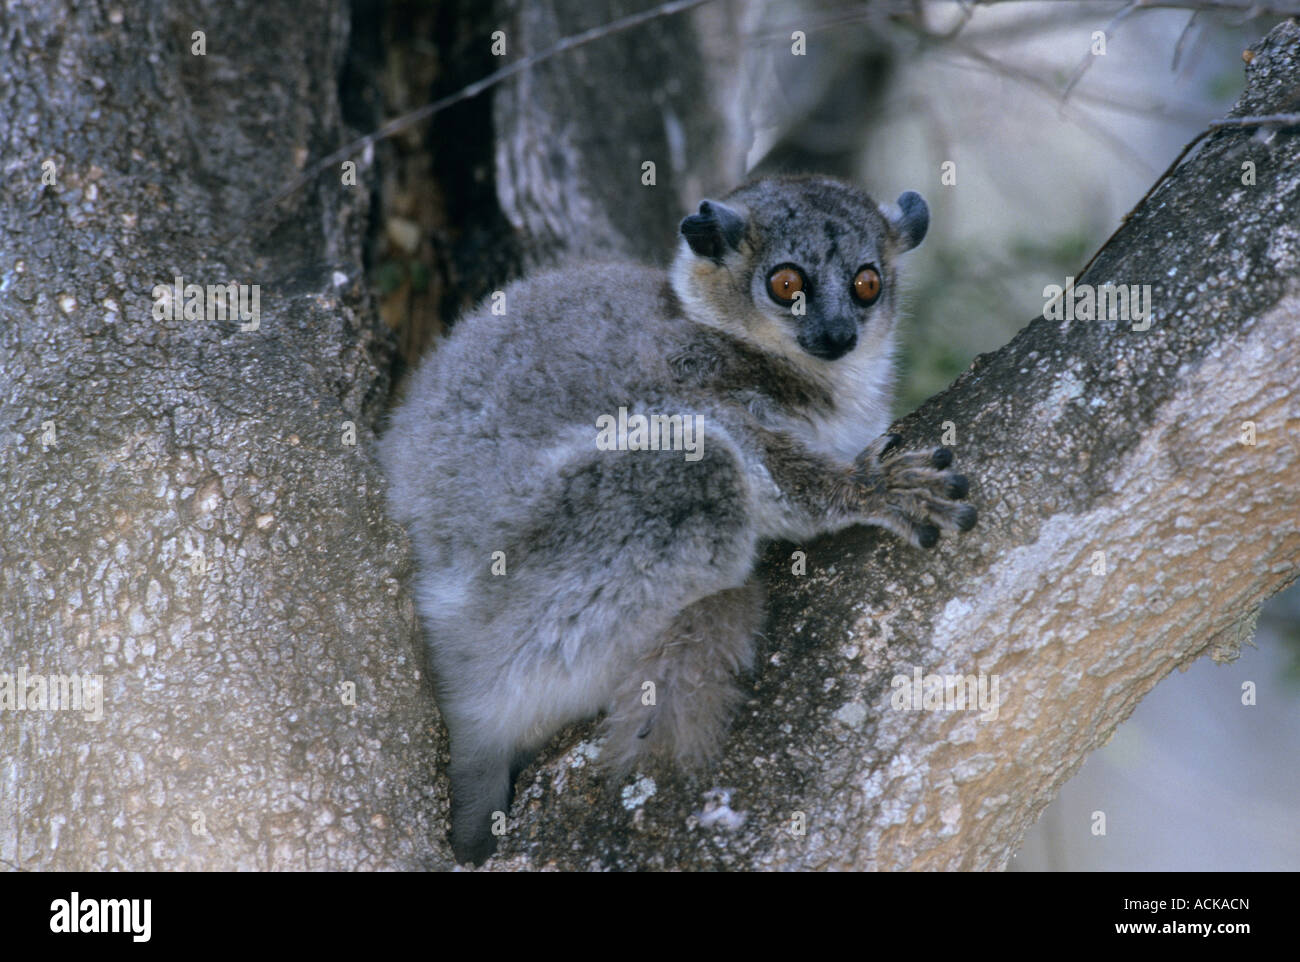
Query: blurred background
x=1031, y=128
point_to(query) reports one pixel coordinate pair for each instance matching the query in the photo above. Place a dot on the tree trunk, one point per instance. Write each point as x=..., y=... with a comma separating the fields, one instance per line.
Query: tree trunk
x=187, y=520
x=184, y=517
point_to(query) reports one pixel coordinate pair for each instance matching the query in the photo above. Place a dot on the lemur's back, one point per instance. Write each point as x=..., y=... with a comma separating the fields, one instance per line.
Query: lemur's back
x=511, y=394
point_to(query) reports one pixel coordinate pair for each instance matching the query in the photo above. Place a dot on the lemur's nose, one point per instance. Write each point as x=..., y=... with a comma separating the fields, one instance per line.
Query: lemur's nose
x=833, y=344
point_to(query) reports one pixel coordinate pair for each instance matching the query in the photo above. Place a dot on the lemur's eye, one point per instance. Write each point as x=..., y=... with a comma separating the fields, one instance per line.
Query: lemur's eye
x=784, y=283
x=866, y=285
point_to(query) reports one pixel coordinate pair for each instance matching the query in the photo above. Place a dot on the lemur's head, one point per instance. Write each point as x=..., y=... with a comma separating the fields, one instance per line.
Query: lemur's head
x=805, y=266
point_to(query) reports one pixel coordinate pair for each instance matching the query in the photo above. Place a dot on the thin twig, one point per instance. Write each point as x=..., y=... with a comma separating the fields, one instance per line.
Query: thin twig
x=1250, y=8
x=967, y=10
x=1182, y=39
x=1102, y=98
x=408, y=120
x=1257, y=120
x=1089, y=57
x=1048, y=91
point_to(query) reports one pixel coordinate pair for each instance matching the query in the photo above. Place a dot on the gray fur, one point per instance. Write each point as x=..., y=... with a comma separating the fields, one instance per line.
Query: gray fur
x=627, y=567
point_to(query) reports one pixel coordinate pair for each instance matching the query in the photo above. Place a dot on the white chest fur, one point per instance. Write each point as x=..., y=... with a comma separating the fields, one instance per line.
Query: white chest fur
x=862, y=385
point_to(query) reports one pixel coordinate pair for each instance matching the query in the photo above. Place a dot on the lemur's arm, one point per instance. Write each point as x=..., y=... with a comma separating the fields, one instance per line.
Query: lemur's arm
x=913, y=495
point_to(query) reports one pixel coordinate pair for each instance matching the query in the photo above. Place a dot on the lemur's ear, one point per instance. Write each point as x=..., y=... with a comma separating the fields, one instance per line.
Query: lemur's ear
x=910, y=219
x=714, y=230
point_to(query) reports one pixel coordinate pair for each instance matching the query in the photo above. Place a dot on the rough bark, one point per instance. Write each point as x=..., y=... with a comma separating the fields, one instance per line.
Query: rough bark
x=222, y=693
x=224, y=705
x=573, y=134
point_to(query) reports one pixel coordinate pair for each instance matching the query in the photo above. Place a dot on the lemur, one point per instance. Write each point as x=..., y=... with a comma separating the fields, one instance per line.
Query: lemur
x=558, y=575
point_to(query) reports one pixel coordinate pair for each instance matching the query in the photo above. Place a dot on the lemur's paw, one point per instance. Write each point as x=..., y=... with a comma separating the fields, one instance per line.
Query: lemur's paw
x=914, y=494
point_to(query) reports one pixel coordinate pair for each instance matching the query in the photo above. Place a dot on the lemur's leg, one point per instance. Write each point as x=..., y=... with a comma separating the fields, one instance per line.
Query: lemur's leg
x=679, y=698
x=913, y=495
x=482, y=784
x=587, y=593
x=480, y=787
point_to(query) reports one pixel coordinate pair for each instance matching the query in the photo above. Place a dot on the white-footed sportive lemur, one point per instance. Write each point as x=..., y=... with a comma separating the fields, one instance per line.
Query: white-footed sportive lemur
x=562, y=568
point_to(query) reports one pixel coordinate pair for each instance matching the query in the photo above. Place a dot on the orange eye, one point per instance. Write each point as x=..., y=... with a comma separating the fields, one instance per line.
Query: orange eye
x=785, y=283
x=866, y=285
